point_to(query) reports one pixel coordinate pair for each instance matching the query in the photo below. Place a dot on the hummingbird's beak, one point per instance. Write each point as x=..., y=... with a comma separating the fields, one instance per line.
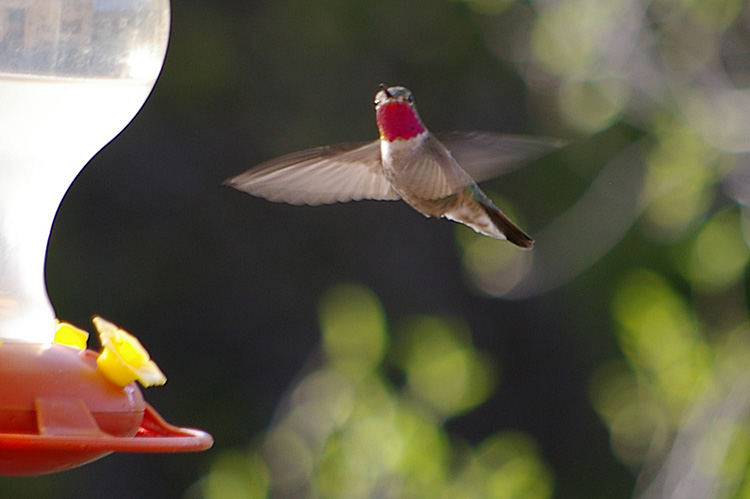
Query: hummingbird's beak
x=384, y=88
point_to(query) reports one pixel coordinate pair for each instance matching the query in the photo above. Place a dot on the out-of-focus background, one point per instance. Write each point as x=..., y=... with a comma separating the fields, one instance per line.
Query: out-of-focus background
x=361, y=350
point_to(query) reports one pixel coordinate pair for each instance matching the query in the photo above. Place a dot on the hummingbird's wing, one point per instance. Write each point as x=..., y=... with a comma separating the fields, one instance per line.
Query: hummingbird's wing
x=488, y=155
x=337, y=173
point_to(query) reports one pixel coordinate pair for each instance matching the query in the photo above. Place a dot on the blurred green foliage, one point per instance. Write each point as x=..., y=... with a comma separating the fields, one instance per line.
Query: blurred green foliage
x=346, y=430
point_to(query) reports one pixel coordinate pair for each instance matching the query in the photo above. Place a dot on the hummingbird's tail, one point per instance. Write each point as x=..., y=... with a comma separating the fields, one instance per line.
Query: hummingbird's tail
x=472, y=207
x=510, y=230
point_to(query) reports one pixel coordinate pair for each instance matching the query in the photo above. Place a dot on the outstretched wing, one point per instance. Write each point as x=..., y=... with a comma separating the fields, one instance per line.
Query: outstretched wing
x=338, y=173
x=488, y=155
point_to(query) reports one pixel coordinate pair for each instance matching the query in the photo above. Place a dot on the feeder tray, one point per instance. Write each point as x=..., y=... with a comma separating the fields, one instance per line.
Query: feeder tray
x=60, y=410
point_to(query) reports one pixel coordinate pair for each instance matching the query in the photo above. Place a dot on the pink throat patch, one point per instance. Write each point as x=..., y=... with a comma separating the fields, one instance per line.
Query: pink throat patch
x=398, y=121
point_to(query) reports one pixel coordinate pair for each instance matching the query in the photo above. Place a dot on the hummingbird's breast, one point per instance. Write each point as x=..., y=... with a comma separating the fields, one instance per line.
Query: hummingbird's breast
x=395, y=153
x=398, y=167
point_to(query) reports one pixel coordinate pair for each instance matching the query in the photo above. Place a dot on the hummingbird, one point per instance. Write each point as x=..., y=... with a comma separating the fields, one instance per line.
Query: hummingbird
x=436, y=175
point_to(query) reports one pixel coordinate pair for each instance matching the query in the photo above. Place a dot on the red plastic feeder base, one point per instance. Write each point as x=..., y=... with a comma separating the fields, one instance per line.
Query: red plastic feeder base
x=58, y=412
x=25, y=454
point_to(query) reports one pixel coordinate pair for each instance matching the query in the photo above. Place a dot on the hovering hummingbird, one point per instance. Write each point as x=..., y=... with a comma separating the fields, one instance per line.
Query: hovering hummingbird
x=432, y=174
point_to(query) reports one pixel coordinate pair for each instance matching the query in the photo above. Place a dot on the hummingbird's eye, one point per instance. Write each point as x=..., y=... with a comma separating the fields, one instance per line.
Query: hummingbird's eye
x=377, y=101
x=410, y=98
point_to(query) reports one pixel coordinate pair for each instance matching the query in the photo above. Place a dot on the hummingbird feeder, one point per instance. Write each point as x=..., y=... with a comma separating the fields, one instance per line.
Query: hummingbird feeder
x=72, y=76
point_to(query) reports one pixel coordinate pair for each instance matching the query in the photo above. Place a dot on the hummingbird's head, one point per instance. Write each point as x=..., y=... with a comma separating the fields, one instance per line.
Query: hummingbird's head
x=396, y=114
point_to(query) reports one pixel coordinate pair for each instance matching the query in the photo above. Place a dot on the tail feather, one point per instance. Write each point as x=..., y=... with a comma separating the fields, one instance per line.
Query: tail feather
x=512, y=232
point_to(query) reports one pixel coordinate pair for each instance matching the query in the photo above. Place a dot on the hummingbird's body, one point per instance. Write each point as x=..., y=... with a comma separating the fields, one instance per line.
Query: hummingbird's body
x=407, y=162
